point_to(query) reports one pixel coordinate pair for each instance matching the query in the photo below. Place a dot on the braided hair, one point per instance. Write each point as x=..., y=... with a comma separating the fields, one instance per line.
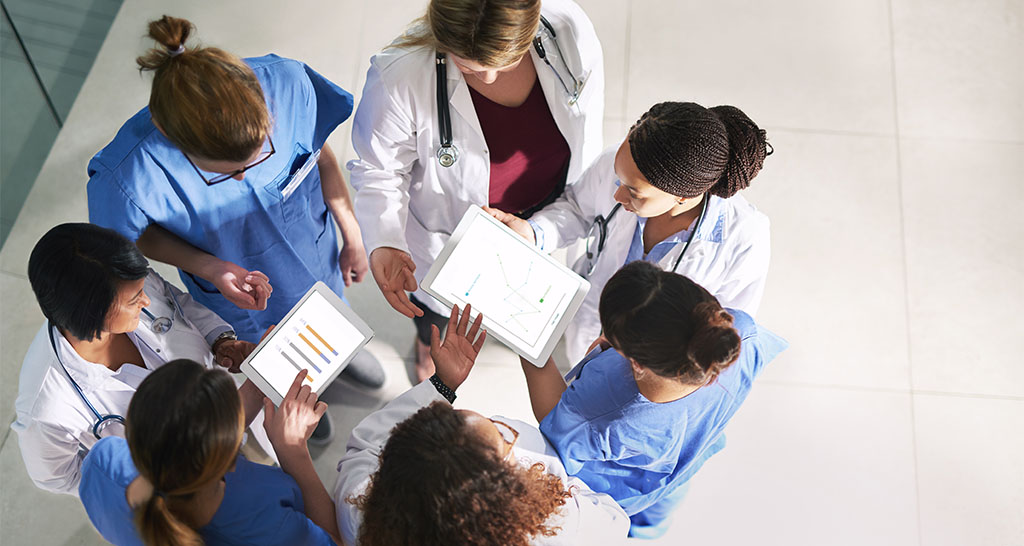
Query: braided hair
x=687, y=150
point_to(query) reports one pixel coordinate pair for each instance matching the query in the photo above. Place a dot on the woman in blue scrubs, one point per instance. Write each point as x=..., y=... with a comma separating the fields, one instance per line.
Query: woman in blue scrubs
x=651, y=404
x=227, y=175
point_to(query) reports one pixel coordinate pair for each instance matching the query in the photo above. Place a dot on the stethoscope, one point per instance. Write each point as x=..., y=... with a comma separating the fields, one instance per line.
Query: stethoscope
x=448, y=153
x=159, y=325
x=599, y=232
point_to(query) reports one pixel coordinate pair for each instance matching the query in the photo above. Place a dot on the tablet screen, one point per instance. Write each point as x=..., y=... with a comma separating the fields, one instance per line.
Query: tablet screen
x=523, y=293
x=316, y=337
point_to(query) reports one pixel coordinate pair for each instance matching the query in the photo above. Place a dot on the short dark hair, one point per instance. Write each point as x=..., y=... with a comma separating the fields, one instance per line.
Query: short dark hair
x=75, y=271
x=668, y=324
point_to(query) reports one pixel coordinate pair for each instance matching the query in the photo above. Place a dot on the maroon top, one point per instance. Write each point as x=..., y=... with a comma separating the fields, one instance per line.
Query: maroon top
x=529, y=156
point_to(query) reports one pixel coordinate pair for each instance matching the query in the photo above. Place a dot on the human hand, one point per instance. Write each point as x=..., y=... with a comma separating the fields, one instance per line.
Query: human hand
x=393, y=271
x=353, y=262
x=244, y=288
x=455, y=356
x=230, y=353
x=601, y=341
x=518, y=225
x=290, y=424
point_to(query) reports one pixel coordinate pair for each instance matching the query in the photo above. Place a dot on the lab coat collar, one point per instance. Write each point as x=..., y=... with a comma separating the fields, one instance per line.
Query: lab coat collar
x=460, y=100
x=91, y=376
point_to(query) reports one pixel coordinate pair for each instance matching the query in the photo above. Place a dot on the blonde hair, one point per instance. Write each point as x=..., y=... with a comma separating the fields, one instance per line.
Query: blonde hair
x=494, y=33
x=207, y=101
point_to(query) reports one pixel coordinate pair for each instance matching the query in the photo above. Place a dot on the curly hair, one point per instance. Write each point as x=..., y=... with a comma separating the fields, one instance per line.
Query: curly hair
x=440, y=483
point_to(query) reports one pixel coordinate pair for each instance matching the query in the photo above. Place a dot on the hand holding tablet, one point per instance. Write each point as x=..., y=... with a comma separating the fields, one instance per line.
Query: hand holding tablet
x=526, y=297
x=320, y=334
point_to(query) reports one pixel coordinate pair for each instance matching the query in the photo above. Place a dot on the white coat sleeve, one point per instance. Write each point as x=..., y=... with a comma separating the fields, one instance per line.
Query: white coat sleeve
x=601, y=519
x=568, y=219
x=206, y=321
x=364, y=446
x=384, y=138
x=748, y=269
x=52, y=457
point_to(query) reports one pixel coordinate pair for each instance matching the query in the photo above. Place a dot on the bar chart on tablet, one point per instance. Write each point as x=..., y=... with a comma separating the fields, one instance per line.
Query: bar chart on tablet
x=312, y=339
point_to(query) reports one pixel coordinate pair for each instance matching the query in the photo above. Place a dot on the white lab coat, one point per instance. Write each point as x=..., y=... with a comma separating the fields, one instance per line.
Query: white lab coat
x=54, y=424
x=728, y=256
x=586, y=518
x=404, y=198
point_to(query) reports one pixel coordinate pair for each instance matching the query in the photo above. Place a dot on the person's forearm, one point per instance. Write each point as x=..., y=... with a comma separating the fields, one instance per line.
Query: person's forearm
x=252, y=401
x=298, y=464
x=163, y=246
x=336, y=194
x=546, y=386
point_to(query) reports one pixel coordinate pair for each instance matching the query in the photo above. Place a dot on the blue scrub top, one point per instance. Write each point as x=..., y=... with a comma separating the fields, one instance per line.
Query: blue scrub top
x=141, y=178
x=262, y=504
x=637, y=451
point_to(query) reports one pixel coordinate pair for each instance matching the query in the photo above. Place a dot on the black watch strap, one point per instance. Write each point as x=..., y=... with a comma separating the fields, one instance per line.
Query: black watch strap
x=443, y=389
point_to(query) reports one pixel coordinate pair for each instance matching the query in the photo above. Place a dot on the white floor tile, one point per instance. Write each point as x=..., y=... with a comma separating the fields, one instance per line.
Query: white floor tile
x=611, y=22
x=17, y=329
x=835, y=287
x=800, y=64
x=31, y=516
x=959, y=69
x=969, y=453
x=965, y=264
x=807, y=466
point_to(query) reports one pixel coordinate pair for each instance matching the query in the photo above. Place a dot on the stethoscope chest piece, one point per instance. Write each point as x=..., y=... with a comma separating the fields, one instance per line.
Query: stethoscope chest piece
x=159, y=325
x=447, y=155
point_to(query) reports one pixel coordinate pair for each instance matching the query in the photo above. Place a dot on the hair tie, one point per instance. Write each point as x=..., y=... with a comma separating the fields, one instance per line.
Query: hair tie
x=176, y=52
x=160, y=494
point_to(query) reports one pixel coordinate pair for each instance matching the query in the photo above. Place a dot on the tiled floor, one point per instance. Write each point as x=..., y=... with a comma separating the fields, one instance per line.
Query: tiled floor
x=898, y=125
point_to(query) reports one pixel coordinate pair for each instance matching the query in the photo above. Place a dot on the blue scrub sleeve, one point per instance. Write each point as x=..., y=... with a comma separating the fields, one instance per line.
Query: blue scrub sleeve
x=333, y=106
x=573, y=435
x=110, y=206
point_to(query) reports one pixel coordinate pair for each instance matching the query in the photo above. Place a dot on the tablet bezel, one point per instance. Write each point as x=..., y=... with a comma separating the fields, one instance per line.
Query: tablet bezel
x=254, y=375
x=583, y=286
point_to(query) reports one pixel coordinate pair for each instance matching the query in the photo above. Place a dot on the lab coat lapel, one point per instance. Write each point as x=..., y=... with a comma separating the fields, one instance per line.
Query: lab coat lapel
x=557, y=100
x=461, y=102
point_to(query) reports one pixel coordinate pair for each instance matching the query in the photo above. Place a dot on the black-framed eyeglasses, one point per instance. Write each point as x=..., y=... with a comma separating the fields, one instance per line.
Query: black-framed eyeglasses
x=265, y=155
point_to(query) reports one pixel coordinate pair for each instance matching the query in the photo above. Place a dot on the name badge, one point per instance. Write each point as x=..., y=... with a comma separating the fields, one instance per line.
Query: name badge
x=300, y=175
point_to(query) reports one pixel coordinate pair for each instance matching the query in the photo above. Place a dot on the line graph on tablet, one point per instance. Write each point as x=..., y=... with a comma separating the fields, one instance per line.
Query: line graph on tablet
x=513, y=293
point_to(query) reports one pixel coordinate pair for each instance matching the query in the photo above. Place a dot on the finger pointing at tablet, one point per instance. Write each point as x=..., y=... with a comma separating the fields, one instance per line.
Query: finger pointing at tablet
x=290, y=424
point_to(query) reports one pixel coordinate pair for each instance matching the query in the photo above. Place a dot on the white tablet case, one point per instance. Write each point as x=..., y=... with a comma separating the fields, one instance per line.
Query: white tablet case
x=320, y=334
x=527, y=297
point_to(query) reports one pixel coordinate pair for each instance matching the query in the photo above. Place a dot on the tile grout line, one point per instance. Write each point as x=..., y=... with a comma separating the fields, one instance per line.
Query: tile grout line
x=887, y=390
x=872, y=134
x=906, y=266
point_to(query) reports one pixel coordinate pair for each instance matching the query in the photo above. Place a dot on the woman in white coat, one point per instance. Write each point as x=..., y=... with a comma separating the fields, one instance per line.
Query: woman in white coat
x=420, y=470
x=667, y=195
x=478, y=103
x=110, y=321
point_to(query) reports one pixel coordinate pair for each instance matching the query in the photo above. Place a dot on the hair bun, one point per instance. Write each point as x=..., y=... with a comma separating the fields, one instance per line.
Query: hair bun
x=171, y=33
x=716, y=344
x=747, y=150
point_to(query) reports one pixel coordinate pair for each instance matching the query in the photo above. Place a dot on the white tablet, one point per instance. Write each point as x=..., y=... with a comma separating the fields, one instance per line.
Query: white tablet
x=527, y=298
x=320, y=334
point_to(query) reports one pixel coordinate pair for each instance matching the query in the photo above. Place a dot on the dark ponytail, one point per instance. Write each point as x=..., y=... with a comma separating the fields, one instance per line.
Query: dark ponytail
x=668, y=324
x=207, y=101
x=184, y=428
x=687, y=150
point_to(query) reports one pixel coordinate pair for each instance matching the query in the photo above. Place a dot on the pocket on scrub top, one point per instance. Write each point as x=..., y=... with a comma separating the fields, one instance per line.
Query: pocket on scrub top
x=289, y=185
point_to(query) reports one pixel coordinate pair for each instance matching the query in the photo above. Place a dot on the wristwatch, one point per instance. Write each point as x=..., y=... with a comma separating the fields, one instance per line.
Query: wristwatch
x=227, y=334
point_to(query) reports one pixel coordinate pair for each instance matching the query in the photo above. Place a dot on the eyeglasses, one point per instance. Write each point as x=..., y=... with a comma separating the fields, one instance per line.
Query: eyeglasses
x=508, y=434
x=264, y=155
